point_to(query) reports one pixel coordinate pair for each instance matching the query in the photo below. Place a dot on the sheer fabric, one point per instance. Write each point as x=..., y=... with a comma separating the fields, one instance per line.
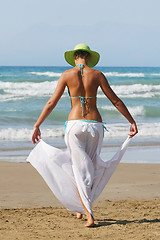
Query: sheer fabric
x=78, y=172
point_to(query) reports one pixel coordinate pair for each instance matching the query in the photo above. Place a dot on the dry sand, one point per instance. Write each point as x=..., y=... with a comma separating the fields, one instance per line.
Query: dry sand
x=128, y=208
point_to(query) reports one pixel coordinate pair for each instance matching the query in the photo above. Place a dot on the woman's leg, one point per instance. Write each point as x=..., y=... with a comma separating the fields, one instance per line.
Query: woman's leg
x=82, y=142
x=79, y=215
x=90, y=219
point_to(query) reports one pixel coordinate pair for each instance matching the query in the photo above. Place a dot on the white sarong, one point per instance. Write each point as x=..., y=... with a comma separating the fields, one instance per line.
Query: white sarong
x=78, y=172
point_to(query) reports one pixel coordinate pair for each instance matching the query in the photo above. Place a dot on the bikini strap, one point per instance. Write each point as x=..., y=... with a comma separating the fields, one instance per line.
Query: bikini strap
x=69, y=93
x=81, y=66
x=82, y=100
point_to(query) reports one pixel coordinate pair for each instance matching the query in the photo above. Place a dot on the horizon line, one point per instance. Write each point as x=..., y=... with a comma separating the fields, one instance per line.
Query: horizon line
x=70, y=66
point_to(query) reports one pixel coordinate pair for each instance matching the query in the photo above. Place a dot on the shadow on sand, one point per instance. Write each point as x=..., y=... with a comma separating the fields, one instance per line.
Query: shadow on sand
x=107, y=222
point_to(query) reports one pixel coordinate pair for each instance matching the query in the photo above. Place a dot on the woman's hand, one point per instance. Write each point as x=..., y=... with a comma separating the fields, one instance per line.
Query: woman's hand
x=36, y=136
x=133, y=130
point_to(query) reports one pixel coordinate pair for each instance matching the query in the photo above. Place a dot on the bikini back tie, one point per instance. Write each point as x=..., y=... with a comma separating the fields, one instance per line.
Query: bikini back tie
x=82, y=99
x=81, y=66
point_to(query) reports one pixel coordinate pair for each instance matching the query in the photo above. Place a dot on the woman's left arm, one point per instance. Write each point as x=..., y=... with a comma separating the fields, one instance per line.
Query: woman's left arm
x=117, y=102
x=50, y=105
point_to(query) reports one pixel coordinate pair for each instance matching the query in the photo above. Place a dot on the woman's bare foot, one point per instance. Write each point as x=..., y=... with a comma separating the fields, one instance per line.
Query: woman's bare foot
x=79, y=215
x=90, y=220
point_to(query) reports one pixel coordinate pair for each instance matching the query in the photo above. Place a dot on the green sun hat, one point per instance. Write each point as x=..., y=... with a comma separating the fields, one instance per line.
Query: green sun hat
x=94, y=56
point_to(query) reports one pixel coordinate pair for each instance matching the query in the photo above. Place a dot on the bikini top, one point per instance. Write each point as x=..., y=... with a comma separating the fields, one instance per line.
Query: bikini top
x=82, y=99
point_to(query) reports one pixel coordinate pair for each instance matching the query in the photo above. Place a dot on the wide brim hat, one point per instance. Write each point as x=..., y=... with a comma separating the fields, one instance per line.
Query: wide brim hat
x=94, y=56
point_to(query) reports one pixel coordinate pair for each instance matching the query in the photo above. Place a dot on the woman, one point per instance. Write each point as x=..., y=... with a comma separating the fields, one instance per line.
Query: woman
x=78, y=175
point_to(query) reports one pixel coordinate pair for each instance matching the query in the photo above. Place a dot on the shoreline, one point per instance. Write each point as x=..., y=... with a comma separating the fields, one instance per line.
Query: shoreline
x=146, y=154
x=104, y=146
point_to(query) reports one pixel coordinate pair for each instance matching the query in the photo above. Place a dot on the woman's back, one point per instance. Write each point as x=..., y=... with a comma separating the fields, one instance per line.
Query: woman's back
x=83, y=92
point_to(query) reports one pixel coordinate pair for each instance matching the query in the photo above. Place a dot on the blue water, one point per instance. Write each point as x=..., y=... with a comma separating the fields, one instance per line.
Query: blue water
x=25, y=90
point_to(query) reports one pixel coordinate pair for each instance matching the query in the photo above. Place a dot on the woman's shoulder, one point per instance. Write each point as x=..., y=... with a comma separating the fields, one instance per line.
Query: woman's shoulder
x=96, y=72
x=72, y=72
x=69, y=72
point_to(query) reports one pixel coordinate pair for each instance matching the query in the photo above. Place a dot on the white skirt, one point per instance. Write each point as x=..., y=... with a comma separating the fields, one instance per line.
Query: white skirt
x=78, y=172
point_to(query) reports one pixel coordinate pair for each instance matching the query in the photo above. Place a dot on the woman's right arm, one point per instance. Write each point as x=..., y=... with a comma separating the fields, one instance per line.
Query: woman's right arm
x=50, y=105
x=117, y=102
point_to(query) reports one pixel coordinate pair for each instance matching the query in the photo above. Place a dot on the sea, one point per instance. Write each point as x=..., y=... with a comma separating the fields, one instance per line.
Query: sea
x=25, y=90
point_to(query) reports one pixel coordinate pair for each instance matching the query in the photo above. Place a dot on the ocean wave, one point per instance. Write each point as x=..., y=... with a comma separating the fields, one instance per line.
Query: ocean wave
x=144, y=130
x=12, y=110
x=21, y=90
x=115, y=130
x=135, y=91
x=135, y=88
x=7, y=75
x=27, y=85
x=26, y=134
x=6, y=98
x=107, y=74
x=144, y=95
x=49, y=74
x=135, y=111
x=116, y=74
x=155, y=74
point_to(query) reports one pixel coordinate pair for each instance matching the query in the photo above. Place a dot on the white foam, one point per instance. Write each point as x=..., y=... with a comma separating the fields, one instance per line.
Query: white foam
x=21, y=90
x=135, y=111
x=117, y=130
x=26, y=134
x=155, y=74
x=144, y=95
x=49, y=74
x=109, y=108
x=134, y=91
x=27, y=85
x=116, y=74
x=135, y=88
x=12, y=110
x=137, y=91
x=5, y=98
x=144, y=130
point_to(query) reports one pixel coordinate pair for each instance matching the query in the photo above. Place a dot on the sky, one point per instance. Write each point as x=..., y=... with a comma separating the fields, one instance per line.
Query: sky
x=38, y=32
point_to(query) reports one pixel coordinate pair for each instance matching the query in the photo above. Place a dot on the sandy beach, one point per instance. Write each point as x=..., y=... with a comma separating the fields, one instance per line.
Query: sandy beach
x=128, y=208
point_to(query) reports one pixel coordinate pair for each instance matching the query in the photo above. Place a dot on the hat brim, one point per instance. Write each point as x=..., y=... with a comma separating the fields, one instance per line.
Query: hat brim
x=94, y=57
